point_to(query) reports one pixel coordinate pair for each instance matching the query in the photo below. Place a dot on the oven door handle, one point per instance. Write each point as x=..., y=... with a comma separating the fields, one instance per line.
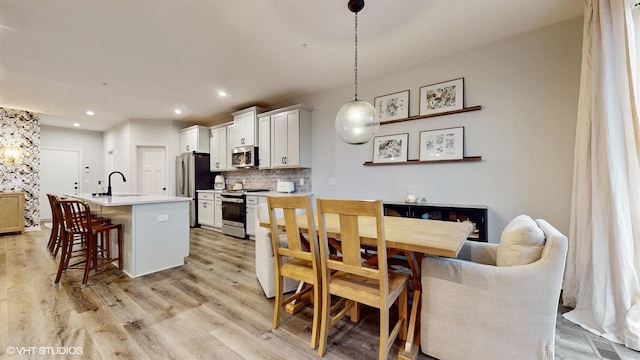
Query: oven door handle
x=232, y=200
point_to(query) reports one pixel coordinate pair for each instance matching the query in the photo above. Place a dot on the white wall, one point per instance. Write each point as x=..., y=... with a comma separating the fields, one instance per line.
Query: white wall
x=528, y=89
x=88, y=143
x=124, y=138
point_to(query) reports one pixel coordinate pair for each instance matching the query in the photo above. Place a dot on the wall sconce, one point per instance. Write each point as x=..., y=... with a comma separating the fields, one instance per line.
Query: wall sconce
x=11, y=153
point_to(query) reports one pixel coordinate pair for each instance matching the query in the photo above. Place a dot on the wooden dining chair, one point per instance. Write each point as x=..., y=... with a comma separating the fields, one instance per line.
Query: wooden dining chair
x=86, y=240
x=349, y=278
x=295, y=256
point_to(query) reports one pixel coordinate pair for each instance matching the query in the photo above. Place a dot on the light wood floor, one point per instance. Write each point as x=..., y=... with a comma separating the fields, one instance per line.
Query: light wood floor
x=211, y=308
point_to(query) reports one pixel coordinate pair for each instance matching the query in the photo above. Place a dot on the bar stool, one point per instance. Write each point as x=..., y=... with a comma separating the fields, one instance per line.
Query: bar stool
x=88, y=238
x=57, y=224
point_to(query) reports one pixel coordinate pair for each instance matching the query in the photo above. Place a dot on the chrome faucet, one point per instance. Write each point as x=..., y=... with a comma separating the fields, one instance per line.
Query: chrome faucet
x=109, y=184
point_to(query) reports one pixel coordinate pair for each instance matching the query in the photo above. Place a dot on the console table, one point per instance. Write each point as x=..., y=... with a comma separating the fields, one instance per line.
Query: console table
x=11, y=212
x=477, y=214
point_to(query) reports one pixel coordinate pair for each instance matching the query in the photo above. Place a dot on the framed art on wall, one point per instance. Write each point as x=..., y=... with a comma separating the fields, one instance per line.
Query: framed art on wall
x=442, y=144
x=393, y=106
x=442, y=97
x=390, y=148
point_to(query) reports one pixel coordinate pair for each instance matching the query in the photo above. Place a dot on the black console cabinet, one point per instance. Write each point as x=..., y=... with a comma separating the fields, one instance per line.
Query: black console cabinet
x=476, y=214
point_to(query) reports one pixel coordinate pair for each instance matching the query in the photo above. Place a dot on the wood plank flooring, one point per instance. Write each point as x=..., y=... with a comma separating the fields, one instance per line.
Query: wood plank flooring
x=211, y=308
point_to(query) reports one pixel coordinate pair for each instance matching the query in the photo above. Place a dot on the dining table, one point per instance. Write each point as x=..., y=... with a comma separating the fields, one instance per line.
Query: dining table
x=412, y=237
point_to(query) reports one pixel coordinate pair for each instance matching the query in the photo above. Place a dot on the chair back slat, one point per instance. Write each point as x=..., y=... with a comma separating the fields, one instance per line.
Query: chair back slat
x=350, y=240
x=292, y=228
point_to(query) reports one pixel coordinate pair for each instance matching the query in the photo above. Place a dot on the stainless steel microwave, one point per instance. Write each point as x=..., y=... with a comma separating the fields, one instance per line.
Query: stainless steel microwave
x=245, y=156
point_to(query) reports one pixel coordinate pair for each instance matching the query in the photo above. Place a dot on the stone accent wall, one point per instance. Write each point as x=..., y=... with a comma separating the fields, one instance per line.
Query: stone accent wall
x=23, y=127
x=267, y=179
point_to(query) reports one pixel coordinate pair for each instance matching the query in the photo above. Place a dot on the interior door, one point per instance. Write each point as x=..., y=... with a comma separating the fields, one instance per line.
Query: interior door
x=152, y=170
x=59, y=174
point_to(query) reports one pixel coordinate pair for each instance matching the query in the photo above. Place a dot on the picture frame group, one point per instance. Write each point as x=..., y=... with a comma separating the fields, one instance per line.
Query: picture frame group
x=435, y=145
x=442, y=97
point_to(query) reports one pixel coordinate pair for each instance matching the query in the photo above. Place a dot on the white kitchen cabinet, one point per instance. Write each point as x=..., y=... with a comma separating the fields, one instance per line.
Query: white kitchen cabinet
x=231, y=130
x=252, y=202
x=217, y=211
x=264, y=152
x=291, y=137
x=246, y=127
x=194, y=138
x=206, y=215
x=219, y=148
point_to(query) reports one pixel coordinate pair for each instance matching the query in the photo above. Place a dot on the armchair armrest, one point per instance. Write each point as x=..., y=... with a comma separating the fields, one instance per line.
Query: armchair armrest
x=479, y=252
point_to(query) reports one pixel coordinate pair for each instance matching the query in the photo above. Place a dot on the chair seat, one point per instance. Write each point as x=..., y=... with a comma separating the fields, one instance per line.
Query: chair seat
x=345, y=285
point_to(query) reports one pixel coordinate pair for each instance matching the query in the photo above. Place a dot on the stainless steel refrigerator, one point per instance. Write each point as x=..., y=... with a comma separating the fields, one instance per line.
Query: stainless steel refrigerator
x=192, y=173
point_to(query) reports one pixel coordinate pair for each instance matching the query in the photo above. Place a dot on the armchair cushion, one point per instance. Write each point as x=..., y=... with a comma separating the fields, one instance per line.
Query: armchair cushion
x=521, y=242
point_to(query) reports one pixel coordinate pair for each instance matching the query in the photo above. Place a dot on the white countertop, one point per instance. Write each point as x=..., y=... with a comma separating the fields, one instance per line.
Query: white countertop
x=128, y=199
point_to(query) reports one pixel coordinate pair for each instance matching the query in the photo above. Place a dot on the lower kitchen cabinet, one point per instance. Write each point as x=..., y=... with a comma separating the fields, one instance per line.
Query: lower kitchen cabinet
x=206, y=212
x=217, y=211
x=252, y=204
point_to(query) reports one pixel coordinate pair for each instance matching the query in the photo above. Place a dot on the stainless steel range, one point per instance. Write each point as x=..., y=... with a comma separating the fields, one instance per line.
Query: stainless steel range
x=234, y=212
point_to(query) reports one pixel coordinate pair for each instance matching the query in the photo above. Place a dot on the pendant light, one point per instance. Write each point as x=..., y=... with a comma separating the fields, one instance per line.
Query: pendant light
x=11, y=154
x=356, y=122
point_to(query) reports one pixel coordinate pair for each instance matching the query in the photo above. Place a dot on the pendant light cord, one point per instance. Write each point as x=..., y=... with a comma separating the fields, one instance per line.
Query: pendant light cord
x=355, y=69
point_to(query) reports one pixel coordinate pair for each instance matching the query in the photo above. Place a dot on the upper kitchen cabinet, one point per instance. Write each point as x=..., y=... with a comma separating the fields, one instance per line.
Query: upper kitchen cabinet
x=264, y=160
x=219, y=147
x=246, y=127
x=290, y=137
x=194, y=138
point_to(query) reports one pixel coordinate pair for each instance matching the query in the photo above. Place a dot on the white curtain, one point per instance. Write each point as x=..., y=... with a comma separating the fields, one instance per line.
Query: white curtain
x=602, y=279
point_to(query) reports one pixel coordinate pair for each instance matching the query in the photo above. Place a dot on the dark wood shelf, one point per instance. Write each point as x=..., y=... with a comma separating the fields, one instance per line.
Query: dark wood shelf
x=412, y=162
x=463, y=110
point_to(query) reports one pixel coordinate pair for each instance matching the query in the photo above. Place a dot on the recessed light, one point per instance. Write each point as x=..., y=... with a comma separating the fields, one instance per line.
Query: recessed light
x=177, y=111
x=76, y=124
x=90, y=113
x=222, y=93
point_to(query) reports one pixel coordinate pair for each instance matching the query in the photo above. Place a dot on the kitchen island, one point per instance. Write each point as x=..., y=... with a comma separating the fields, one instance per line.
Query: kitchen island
x=156, y=229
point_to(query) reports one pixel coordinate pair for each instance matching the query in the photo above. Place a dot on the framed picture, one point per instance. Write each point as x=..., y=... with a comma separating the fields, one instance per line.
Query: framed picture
x=442, y=144
x=442, y=97
x=393, y=106
x=390, y=148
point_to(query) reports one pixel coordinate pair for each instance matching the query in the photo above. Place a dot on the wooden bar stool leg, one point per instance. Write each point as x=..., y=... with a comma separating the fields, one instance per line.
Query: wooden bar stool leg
x=120, y=247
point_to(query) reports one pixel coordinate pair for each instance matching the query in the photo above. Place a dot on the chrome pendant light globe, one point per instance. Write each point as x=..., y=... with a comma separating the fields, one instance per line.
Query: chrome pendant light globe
x=356, y=122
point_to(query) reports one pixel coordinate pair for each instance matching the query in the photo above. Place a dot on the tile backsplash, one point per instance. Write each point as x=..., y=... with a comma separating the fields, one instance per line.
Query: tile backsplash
x=267, y=179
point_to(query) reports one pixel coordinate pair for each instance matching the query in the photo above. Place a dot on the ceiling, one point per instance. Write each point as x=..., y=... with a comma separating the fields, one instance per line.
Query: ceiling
x=142, y=59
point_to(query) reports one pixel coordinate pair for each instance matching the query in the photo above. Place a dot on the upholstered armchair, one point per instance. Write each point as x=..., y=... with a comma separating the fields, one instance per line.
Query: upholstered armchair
x=265, y=266
x=495, y=301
